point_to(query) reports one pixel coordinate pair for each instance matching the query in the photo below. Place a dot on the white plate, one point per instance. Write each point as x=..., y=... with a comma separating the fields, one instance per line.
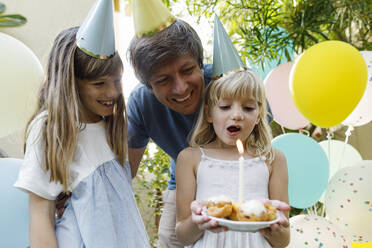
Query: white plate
x=243, y=226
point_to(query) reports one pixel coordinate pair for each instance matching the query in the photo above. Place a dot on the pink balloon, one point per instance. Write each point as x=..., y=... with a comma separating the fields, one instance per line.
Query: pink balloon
x=281, y=103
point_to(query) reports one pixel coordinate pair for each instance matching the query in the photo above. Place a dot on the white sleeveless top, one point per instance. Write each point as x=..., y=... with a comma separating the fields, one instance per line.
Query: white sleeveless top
x=217, y=177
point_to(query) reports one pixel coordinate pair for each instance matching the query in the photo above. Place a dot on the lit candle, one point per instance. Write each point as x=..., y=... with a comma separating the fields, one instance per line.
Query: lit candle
x=239, y=144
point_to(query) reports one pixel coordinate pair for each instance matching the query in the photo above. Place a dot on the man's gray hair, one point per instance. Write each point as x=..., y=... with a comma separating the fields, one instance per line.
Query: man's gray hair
x=147, y=54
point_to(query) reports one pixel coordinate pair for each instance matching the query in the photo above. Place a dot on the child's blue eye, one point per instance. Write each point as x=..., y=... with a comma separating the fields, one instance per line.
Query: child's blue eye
x=224, y=107
x=249, y=108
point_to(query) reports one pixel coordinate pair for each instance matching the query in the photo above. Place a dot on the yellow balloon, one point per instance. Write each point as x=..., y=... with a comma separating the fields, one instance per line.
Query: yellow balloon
x=364, y=245
x=327, y=82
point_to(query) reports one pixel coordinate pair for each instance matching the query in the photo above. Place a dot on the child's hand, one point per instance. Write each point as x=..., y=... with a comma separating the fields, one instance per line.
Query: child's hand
x=278, y=233
x=204, y=222
x=282, y=207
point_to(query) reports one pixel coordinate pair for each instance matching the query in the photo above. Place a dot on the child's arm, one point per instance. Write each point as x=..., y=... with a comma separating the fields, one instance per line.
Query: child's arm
x=278, y=235
x=190, y=223
x=42, y=219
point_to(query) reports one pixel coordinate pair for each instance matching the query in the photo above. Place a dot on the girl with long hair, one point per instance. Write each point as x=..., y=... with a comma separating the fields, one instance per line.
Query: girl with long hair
x=76, y=145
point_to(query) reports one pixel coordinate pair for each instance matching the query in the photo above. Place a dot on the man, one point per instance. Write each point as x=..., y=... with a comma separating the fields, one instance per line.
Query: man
x=169, y=65
x=167, y=57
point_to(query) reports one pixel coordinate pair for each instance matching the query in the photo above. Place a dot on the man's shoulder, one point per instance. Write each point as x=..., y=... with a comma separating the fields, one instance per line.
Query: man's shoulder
x=143, y=104
x=141, y=96
x=139, y=90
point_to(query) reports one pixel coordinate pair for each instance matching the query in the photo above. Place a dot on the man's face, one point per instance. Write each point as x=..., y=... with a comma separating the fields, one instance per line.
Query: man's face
x=179, y=84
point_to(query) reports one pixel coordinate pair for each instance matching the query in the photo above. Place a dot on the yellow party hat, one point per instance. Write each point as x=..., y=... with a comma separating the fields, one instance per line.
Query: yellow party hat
x=150, y=17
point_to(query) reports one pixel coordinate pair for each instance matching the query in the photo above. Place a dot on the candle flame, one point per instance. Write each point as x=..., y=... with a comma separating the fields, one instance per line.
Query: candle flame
x=239, y=144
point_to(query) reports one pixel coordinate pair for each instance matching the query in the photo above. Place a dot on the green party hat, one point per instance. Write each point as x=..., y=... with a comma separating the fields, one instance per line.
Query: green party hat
x=96, y=36
x=150, y=17
x=225, y=57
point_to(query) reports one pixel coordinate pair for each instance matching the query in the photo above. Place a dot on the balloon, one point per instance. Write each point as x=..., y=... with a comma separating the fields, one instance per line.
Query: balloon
x=282, y=106
x=20, y=76
x=348, y=201
x=271, y=64
x=315, y=231
x=367, y=56
x=362, y=114
x=308, y=168
x=342, y=155
x=14, y=206
x=327, y=82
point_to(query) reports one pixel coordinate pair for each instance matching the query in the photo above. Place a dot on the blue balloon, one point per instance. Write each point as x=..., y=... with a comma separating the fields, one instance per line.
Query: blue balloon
x=14, y=215
x=269, y=65
x=308, y=168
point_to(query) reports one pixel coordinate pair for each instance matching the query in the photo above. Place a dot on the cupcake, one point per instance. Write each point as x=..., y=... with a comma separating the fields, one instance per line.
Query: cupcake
x=219, y=207
x=255, y=210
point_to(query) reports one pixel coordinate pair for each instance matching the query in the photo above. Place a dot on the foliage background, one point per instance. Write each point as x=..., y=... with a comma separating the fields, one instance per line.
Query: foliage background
x=262, y=29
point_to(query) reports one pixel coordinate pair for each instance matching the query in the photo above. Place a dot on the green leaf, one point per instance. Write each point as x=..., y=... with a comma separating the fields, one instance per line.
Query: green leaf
x=12, y=20
x=2, y=8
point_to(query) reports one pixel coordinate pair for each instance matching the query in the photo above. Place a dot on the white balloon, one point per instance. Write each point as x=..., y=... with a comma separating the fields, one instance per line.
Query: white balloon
x=341, y=155
x=315, y=231
x=348, y=201
x=367, y=55
x=20, y=77
x=362, y=114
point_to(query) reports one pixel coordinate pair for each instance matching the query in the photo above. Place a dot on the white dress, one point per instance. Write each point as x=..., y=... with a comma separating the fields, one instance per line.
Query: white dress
x=221, y=177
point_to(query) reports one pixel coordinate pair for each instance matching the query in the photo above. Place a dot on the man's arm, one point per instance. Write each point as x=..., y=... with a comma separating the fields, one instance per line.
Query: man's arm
x=135, y=156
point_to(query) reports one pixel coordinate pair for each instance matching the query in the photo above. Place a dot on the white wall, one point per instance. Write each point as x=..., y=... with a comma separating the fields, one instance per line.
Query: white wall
x=46, y=18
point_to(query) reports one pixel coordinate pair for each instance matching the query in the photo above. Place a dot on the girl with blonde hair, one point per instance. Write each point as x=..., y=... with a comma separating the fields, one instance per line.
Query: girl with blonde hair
x=76, y=145
x=234, y=107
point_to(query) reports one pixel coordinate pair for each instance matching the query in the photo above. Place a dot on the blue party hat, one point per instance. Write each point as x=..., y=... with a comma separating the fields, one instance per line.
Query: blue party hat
x=96, y=35
x=225, y=57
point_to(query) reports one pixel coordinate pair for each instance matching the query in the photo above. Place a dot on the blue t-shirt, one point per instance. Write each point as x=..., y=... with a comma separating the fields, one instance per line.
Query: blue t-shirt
x=149, y=118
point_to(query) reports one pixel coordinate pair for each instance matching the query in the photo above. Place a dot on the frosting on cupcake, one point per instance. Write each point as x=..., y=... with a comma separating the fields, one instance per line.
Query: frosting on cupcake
x=253, y=207
x=221, y=198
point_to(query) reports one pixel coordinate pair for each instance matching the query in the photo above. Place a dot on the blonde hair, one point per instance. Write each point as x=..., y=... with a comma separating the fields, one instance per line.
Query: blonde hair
x=237, y=85
x=59, y=97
